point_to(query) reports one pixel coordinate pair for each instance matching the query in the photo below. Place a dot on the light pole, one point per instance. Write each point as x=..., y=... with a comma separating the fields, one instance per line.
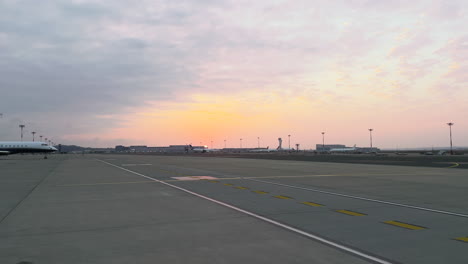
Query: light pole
x=41, y=137
x=45, y=140
x=323, y=141
x=258, y=142
x=211, y=144
x=21, y=126
x=241, y=143
x=224, y=143
x=289, y=142
x=450, y=128
x=33, y=134
x=370, y=133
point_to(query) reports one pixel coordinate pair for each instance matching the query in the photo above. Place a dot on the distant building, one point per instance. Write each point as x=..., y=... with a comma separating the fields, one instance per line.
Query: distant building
x=121, y=148
x=143, y=148
x=244, y=149
x=180, y=148
x=157, y=149
x=138, y=148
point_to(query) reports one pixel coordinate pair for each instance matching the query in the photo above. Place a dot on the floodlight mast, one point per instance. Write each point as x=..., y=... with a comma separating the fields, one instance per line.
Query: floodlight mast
x=370, y=133
x=323, y=141
x=450, y=128
x=21, y=127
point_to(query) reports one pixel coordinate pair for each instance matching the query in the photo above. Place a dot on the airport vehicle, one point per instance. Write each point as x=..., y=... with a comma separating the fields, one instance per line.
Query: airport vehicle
x=16, y=147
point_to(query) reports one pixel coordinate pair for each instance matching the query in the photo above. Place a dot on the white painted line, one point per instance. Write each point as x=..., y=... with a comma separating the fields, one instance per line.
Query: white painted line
x=128, y=165
x=271, y=221
x=363, y=198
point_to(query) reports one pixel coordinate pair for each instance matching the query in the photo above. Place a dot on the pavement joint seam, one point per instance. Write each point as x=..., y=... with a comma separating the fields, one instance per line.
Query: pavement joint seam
x=29, y=193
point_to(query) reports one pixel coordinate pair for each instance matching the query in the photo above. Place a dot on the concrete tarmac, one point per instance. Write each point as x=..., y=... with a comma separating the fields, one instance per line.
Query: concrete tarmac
x=119, y=209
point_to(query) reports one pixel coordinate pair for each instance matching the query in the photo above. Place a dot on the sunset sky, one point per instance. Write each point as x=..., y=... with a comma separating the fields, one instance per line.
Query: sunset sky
x=102, y=73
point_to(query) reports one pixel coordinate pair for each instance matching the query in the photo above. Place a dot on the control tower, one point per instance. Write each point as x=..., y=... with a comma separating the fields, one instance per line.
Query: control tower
x=280, y=143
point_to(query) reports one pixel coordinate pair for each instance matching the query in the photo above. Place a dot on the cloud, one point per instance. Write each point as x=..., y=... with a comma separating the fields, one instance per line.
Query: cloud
x=64, y=65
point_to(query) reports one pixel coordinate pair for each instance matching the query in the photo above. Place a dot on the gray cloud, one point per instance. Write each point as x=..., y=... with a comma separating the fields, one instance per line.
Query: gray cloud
x=64, y=63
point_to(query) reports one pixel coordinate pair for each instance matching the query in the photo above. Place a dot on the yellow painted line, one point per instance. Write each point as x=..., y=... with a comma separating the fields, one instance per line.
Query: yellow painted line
x=282, y=197
x=241, y=188
x=102, y=183
x=260, y=192
x=463, y=239
x=311, y=204
x=404, y=225
x=350, y=213
x=228, y=184
x=454, y=165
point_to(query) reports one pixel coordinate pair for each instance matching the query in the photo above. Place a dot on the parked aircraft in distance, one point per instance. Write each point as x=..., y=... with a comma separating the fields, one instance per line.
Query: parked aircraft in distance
x=16, y=147
x=344, y=150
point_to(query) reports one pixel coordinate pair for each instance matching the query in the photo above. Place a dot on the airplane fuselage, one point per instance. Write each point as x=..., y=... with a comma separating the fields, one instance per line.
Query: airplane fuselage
x=15, y=147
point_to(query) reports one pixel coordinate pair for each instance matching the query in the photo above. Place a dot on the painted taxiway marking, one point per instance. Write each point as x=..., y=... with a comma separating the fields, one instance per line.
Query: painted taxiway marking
x=462, y=239
x=347, y=212
x=312, y=204
x=344, y=248
x=195, y=178
x=228, y=184
x=241, y=188
x=404, y=225
x=454, y=165
x=128, y=165
x=363, y=198
x=282, y=197
x=260, y=192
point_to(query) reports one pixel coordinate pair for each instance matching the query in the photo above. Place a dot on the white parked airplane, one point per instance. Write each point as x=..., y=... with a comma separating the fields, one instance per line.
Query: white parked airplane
x=345, y=150
x=15, y=147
